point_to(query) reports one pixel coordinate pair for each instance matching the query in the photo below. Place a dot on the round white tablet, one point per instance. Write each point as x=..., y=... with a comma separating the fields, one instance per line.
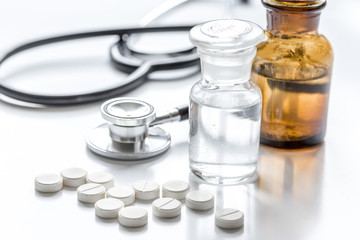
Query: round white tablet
x=91, y=192
x=146, y=190
x=125, y=194
x=166, y=207
x=103, y=178
x=74, y=177
x=48, y=183
x=229, y=218
x=133, y=216
x=108, y=207
x=175, y=189
x=199, y=200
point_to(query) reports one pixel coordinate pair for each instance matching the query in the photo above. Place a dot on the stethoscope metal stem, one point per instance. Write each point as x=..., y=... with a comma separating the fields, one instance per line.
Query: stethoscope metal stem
x=172, y=115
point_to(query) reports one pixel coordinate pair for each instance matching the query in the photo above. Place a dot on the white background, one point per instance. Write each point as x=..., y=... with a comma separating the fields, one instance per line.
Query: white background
x=311, y=194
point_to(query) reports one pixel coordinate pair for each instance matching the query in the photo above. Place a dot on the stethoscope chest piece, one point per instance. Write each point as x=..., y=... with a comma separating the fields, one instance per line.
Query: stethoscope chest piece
x=128, y=135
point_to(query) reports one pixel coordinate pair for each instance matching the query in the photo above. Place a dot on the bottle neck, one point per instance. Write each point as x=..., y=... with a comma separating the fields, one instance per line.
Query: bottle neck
x=226, y=69
x=293, y=22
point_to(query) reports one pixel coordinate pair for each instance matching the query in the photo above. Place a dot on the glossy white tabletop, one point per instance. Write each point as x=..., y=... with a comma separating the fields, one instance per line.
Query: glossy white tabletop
x=308, y=194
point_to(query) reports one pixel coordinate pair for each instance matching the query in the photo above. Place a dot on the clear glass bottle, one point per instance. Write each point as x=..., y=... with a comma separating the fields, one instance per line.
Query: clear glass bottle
x=225, y=106
x=293, y=70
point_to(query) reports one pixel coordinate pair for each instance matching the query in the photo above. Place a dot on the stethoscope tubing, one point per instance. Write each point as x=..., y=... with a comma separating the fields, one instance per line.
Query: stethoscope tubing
x=110, y=32
x=132, y=81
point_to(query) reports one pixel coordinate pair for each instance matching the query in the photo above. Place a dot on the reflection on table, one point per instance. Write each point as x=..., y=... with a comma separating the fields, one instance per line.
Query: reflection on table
x=287, y=193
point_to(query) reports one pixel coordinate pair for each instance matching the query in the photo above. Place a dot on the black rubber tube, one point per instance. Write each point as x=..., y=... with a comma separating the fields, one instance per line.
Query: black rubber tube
x=134, y=80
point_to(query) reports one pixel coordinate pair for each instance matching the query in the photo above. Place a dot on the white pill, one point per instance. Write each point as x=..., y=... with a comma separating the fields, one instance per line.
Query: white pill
x=91, y=192
x=175, y=189
x=133, y=216
x=108, y=207
x=125, y=194
x=146, y=190
x=199, y=200
x=166, y=207
x=229, y=218
x=74, y=177
x=103, y=178
x=48, y=183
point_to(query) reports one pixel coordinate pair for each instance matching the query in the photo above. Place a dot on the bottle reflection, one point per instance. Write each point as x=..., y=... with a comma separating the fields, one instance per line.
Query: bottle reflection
x=288, y=192
x=291, y=173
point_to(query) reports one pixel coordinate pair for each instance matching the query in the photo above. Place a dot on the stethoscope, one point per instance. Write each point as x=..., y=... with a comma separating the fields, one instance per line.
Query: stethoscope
x=131, y=131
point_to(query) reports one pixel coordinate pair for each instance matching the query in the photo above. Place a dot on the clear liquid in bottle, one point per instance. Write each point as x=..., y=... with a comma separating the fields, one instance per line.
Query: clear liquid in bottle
x=224, y=133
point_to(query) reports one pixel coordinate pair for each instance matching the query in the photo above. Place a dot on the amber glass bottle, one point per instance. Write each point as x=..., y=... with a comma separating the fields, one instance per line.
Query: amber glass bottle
x=293, y=70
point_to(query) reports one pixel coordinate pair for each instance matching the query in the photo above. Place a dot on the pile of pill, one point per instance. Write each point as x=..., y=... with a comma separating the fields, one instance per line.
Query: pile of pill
x=115, y=202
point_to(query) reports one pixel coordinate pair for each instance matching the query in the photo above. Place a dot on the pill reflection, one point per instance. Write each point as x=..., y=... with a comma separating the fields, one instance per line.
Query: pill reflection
x=202, y=224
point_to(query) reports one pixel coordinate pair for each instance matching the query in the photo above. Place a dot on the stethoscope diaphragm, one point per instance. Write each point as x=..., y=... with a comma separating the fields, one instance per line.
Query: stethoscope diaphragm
x=130, y=133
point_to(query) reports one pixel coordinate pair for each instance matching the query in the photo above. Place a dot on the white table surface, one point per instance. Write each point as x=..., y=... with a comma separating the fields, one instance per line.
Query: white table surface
x=309, y=194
